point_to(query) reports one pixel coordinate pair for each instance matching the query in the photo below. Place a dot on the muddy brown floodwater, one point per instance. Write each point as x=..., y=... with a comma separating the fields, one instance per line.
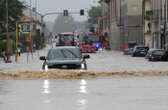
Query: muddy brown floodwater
x=70, y=74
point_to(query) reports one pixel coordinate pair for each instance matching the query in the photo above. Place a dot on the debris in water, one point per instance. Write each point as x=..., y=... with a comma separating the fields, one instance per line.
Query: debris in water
x=70, y=74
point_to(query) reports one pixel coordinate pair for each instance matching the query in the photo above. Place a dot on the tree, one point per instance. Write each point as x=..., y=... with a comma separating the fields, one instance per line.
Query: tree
x=63, y=24
x=15, y=8
x=93, y=14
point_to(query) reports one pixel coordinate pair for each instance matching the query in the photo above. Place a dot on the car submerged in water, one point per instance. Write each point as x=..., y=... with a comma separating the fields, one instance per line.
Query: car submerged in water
x=65, y=57
x=157, y=55
x=140, y=51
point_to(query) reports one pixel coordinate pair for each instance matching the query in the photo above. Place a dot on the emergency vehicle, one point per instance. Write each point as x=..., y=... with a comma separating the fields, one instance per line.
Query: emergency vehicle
x=66, y=39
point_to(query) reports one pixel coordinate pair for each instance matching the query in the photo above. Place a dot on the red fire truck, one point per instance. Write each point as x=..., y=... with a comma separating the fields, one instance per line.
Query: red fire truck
x=91, y=43
x=66, y=39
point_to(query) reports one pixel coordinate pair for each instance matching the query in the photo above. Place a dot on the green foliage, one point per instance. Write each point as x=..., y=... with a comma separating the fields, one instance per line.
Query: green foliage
x=15, y=8
x=63, y=24
x=11, y=46
x=93, y=14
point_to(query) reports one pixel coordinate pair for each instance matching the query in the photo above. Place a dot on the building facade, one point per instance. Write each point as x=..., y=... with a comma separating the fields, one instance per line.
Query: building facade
x=35, y=17
x=159, y=21
x=147, y=23
x=126, y=22
x=105, y=16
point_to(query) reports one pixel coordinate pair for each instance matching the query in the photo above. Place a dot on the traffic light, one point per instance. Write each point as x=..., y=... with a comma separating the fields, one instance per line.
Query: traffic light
x=65, y=12
x=82, y=12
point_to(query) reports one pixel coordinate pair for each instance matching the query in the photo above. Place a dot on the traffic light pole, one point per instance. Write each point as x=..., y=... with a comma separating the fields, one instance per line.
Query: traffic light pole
x=17, y=34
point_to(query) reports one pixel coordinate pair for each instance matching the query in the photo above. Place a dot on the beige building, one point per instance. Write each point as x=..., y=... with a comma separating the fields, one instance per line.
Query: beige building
x=37, y=18
x=147, y=23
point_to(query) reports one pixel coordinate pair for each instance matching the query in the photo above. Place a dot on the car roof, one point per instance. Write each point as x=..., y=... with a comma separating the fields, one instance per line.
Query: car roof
x=141, y=46
x=154, y=49
x=64, y=47
x=66, y=33
x=93, y=34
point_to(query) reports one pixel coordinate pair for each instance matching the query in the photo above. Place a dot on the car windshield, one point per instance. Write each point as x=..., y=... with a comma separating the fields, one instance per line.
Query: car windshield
x=159, y=52
x=67, y=37
x=67, y=53
x=142, y=48
x=94, y=38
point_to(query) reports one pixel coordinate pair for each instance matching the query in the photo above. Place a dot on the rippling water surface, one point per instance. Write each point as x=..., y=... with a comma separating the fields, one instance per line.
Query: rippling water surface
x=114, y=93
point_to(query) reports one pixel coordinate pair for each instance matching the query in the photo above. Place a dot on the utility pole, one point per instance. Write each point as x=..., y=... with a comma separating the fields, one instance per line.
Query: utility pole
x=30, y=45
x=7, y=35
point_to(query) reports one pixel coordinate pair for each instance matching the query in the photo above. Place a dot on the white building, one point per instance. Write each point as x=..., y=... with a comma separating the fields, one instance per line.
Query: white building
x=32, y=15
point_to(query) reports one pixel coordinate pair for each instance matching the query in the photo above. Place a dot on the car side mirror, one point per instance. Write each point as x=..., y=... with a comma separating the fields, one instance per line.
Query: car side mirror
x=42, y=58
x=86, y=56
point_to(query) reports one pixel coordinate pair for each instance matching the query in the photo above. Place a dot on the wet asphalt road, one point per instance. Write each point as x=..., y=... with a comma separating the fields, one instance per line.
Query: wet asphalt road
x=113, y=93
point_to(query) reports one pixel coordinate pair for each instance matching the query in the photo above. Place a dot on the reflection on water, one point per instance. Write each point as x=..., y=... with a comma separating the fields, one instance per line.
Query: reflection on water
x=46, y=87
x=83, y=86
x=46, y=92
x=116, y=93
x=82, y=101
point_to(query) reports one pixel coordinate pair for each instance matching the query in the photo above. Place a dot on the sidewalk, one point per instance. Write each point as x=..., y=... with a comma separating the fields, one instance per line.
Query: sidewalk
x=25, y=62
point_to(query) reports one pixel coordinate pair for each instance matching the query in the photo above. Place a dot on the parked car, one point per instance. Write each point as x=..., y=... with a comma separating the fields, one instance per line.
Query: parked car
x=130, y=48
x=157, y=55
x=128, y=51
x=149, y=53
x=140, y=51
x=65, y=57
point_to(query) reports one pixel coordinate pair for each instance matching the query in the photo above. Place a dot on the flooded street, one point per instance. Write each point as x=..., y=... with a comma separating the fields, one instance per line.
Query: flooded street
x=117, y=93
x=102, y=61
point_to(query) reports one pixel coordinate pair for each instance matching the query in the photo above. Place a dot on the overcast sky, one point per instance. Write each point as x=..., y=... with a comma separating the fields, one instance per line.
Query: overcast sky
x=46, y=6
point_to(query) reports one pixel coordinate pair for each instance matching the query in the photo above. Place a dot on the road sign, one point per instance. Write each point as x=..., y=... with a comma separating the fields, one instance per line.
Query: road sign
x=126, y=31
x=74, y=27
x=95, y=26
x=27, y=38
x=25, y=27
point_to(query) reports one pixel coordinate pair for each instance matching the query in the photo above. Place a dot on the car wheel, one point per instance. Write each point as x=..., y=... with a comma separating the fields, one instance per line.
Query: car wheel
x=133, y=55
x=149, y=59
x=83, y=66
x=45, y=66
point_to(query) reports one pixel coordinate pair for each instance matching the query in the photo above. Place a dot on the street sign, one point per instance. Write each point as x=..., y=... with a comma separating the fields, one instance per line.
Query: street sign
x=126, y=31
x=95, y=26
x=74, y=27
x=27, y=38
x=25, y=27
